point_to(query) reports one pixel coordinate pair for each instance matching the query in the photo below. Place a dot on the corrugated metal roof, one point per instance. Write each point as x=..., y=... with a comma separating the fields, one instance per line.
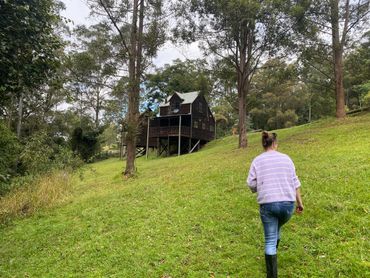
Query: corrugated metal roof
x=187, y=98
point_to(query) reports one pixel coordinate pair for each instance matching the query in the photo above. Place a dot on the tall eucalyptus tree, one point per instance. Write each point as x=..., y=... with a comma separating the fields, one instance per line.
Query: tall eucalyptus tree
x=242, y=32
x=139, y=28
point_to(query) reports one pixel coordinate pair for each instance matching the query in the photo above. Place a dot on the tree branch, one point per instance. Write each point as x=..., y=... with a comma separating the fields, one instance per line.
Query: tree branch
x=115, y=25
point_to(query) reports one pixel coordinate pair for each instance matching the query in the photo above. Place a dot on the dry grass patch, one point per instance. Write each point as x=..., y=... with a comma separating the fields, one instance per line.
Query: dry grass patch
x=45, y=191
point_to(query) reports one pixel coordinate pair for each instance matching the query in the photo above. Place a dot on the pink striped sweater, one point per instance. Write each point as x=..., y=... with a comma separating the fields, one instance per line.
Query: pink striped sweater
x=272, y=175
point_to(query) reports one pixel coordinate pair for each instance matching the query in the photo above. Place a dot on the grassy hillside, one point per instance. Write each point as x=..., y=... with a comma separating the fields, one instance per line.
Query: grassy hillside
x=192, y=216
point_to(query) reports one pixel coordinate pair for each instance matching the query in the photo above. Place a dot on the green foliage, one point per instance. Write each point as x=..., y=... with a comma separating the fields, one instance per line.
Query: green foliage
x=85, y=143
x=345, y=22
x=41, y=154
x=21, y=164
x=109, y=136
x=37, y=154
x=181, y=76
x=65, y=159
x=29, y=46
x=186, y=217
x=366, y=99
x=357, y=74
x=277, y=97
x=92, y=70
x=9, y=151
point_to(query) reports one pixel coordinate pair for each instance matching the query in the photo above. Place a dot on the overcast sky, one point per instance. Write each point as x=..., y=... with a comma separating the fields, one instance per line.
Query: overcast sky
x=78, y=12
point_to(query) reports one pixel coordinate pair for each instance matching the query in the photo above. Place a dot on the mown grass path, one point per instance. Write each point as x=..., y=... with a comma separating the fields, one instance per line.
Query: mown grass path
x=192, y=216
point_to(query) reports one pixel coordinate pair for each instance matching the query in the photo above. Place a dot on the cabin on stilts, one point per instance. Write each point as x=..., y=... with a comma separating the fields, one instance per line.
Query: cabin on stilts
x=184, y=124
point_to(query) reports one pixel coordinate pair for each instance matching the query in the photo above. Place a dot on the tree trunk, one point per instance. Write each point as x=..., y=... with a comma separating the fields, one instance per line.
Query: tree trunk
x=10, y=112
x=132, y=121
x=337, y=46
x=245, y=53
x=20, y=116
x=242, y=115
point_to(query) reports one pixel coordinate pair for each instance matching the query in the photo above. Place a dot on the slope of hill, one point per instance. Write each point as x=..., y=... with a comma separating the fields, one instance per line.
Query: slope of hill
x=192, y=216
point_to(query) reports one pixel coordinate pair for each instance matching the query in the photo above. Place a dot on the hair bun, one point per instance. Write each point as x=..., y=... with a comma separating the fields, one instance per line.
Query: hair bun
x=265, y=134
x=268, y=139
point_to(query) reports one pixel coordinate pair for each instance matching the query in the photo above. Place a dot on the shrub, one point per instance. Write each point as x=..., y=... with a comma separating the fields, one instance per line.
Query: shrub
x=65, y=159
x=42, y=154
x=36, y=156
x=367, y=99
x=287, y=118
x=85, y=143
x=9, y=151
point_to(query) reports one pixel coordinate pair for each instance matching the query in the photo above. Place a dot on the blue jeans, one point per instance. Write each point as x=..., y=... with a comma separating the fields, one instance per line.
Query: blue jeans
x=273, y=216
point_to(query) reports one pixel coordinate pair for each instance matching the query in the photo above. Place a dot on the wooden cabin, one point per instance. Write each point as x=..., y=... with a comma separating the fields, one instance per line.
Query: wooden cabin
x=184, y=124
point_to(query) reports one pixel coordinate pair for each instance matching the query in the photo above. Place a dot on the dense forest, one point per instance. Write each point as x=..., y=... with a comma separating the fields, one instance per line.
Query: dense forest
x=68, y=93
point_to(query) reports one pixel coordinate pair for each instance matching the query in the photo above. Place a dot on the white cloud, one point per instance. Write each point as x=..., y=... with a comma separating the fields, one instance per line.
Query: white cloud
x=77, y=11
x=170, y=52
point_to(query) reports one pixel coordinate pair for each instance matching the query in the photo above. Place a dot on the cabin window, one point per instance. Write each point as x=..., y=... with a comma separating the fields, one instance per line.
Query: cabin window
x=175, y=106
x=200, y=107
x=195, y=124
x=203, y=125
x=211, y=128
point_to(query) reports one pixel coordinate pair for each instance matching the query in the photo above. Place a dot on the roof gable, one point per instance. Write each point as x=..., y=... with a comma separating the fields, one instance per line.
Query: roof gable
x=186, y=97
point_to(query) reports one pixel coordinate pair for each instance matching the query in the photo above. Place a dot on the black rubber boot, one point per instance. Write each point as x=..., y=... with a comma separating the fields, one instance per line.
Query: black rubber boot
x=271, y=266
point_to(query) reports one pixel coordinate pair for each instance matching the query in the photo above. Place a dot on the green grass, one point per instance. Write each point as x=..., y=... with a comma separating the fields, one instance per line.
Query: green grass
x=192, y=216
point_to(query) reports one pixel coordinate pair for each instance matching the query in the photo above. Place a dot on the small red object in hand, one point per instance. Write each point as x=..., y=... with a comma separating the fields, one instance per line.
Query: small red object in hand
x=299, y=209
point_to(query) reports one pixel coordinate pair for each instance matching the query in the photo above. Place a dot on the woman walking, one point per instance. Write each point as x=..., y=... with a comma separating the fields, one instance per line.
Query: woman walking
x=272, y=175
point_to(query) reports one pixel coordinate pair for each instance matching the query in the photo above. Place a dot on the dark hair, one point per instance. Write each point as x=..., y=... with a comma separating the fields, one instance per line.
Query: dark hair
x=268, y=139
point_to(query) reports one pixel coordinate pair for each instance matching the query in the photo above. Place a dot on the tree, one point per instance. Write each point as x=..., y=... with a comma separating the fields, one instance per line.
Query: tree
x=341, y=20
x=277, y=96
x=181, y=76
x=243, y=32
x=85, y=143
x=139, y=27
x=29, y=52
x=357, y=74
x=92, y=69
x=315, y=73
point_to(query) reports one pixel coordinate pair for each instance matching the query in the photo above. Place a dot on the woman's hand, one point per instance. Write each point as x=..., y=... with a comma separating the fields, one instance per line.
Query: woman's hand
x=299, y=208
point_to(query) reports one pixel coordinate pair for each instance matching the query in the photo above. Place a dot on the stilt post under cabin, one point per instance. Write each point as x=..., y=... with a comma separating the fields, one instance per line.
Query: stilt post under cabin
x=147, y=140
x=168, y=145
x=179, y=147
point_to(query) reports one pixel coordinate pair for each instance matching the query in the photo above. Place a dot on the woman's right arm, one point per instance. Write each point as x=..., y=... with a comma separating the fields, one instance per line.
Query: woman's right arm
x=299, y=208
x=297, y=185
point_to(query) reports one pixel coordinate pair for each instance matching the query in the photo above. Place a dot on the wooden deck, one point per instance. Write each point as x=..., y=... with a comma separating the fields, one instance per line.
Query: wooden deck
x=164, y=131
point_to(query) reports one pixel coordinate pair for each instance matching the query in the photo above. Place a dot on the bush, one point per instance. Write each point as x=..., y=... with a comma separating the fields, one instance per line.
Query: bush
x=367, y=99
x=66, y=159
x=36, y=156
x=9, y=151
x=41, y=154
x=85, y=143
x=284, y=119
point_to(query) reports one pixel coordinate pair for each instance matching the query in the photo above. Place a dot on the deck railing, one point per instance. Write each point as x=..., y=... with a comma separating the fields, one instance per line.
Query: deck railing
x=168, y=131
